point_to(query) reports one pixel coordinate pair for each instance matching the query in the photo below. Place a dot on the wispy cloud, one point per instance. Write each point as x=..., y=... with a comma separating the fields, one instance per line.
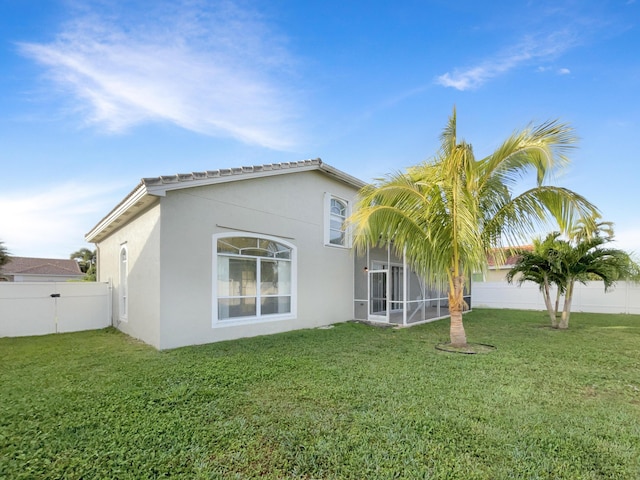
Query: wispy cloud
x=51, y=222
x=216, y=70
x=533, y=48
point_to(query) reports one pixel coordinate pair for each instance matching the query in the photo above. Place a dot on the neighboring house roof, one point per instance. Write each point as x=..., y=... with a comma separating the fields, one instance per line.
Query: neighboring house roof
x=510, y=260
x=149, y=189
x=41, y=266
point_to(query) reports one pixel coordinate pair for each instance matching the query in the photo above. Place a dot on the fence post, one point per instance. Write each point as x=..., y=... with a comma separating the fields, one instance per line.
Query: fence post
x=110, y=307
x=55, y=297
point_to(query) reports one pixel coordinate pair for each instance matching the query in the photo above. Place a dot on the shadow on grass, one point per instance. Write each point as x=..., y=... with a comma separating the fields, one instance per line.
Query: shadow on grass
x=469, y=349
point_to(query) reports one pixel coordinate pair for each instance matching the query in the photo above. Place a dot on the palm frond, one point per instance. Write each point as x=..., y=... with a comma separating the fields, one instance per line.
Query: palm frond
x=446, y=215
x=542, y=149
x=448, y=137
x=519, y=218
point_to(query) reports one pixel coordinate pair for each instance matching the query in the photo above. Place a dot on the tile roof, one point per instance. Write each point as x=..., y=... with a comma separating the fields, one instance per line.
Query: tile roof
x=228, y=172
x=149, y=189
x=41, y=266
x=223, y=174
x=510, y=259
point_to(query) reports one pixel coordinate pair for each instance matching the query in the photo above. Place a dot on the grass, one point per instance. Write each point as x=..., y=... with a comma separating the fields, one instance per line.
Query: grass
x=354, y=401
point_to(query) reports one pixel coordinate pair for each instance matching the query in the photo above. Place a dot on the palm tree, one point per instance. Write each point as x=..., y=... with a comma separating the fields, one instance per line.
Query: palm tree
x=588, y=260
x=85, y=258
x=580, y=258
x=590, y=227
x=4, y=255
x=4, y=259
x=542, y=266
x=449, y=213
x=87, y=261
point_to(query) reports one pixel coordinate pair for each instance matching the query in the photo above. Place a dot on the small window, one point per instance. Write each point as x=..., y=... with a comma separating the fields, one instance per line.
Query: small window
x=477, y=277
x=336, y=215
x=123, y=293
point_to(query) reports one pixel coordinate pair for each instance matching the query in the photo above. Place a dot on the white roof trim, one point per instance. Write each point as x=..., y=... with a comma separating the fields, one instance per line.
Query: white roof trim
x=131, y=200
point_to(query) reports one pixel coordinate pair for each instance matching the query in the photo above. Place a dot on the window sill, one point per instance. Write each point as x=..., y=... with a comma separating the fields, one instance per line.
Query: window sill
x=251, y=320
x=333, y=245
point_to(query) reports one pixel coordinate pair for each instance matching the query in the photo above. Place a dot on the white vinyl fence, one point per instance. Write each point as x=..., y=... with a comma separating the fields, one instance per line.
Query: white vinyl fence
x=623, y=298
x=39, y=308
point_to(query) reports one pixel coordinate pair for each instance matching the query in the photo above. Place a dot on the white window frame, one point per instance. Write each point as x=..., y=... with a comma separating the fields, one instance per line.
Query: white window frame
x=218, y=323
x=123, y=286
x=327, y=221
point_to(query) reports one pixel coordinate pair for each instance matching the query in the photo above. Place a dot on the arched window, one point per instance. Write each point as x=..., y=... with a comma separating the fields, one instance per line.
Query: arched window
x=255, y=278
x=336, y=212
x=123, y=293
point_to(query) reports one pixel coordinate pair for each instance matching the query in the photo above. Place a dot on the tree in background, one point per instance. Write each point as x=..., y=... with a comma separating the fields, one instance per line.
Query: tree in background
x=580, y=258
x=585, y=258
x=4, y=255
x=541, y=265
x=87, y=261
x=448, y=214
x=4, y=259
x=590, y=227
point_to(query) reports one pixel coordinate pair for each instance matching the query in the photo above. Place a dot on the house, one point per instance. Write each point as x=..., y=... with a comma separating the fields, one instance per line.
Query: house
x=498, y=268
x=28, y=269
x=223, y=254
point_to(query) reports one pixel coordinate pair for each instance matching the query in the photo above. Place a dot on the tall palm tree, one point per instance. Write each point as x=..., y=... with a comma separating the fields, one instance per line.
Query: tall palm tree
x=449, y=213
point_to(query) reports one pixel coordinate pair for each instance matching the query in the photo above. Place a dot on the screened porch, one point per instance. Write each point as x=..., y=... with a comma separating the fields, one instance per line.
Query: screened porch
x=388, y=291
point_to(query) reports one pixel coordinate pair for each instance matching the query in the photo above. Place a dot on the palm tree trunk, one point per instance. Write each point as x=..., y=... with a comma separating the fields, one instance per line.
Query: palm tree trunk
x=547, y=301
x=555, y=312
x=457, y=335
x=566, y=311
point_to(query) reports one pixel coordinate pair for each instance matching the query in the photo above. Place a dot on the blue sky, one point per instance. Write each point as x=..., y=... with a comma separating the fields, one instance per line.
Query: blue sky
x=96, y=95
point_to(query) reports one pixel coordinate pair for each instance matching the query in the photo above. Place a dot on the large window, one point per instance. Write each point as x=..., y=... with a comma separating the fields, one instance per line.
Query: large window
x=336, y=212
x=123, y=294
x=255, y=278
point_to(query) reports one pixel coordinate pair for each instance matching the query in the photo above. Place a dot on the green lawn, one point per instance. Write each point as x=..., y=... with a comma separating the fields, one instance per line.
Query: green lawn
x=350, y=402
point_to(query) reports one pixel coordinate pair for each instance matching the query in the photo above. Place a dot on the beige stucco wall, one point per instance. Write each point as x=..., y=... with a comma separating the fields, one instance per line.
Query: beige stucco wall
x=142, y=238
x=496, y=275
x=290, y=207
